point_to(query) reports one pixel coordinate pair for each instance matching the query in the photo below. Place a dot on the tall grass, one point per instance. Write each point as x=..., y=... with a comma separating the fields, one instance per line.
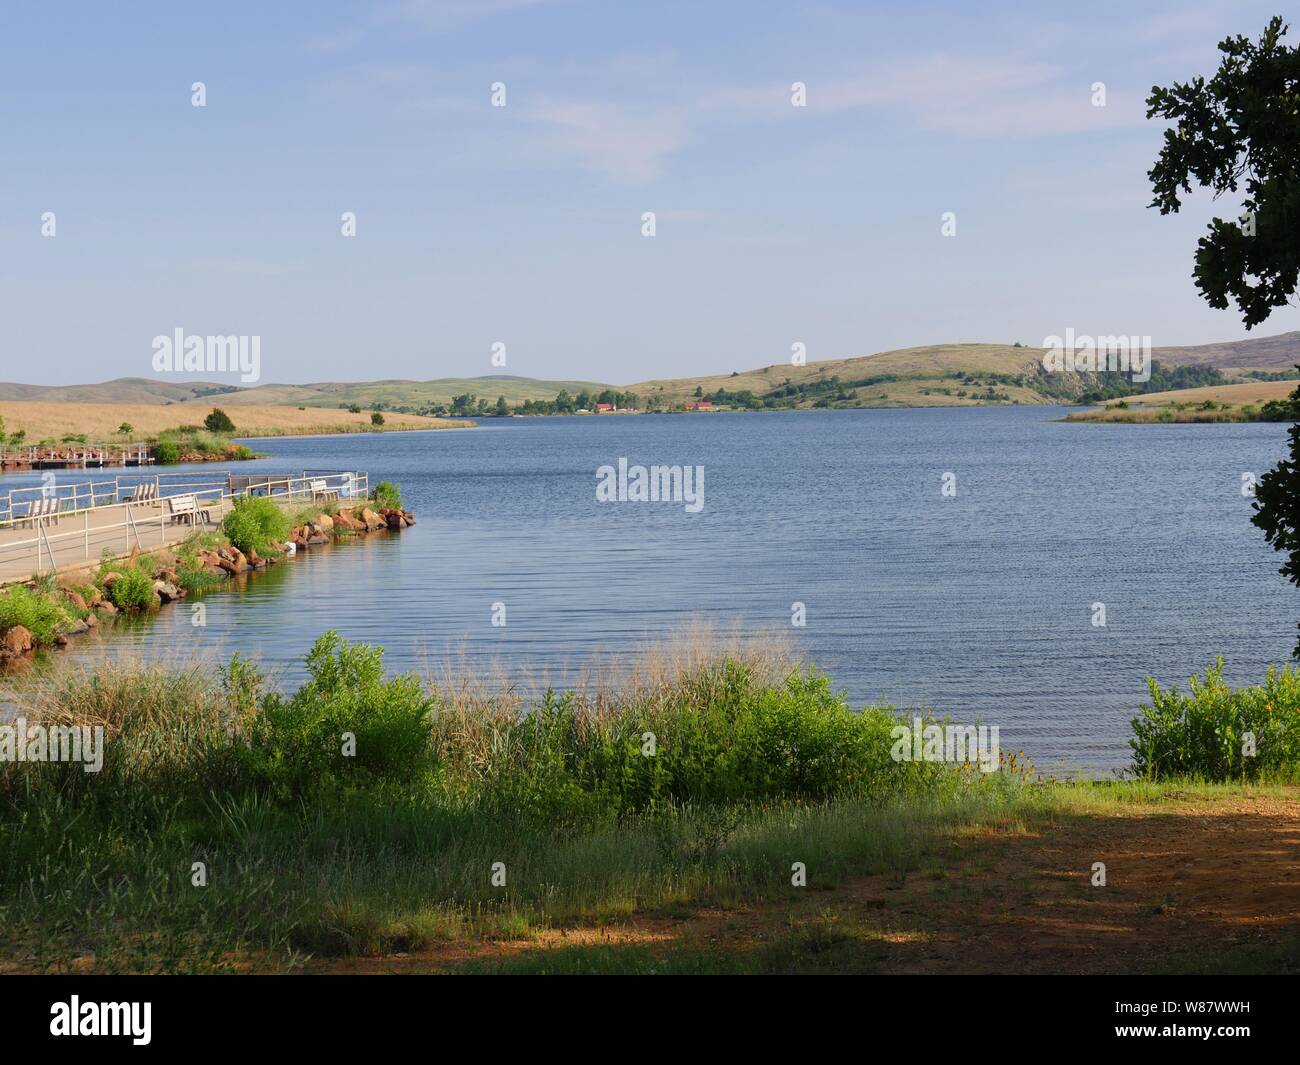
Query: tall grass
x=365, y=811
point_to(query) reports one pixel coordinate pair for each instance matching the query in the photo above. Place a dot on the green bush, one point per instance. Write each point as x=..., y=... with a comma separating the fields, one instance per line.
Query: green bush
x=256, y=524
x=133, y=590
x=721, y=734
x=166, y=452
x=41, y=616
x=387, y=496
x=346, y=722
x=1208, y=733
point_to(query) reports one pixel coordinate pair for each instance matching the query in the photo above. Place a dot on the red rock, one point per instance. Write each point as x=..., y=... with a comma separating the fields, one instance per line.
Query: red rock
x=16, y=641
x=76, y=599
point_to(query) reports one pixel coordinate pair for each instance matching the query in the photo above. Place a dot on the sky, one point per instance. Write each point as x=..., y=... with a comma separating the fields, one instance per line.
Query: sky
x=522, y=224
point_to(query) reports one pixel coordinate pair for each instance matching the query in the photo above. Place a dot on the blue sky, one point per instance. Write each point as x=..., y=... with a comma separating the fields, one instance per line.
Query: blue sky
x=522, y=224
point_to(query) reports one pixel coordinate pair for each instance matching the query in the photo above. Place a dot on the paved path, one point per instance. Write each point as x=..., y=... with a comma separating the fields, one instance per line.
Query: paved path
x=82, y=539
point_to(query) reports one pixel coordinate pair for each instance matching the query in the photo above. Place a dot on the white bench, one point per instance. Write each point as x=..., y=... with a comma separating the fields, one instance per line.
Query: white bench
x=321, y=494
x=42, y=510
x=181, y=508
x=144, y=493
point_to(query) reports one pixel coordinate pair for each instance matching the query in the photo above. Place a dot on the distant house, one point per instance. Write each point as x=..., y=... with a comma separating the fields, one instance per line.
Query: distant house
x=601, y=408
x=702, y=404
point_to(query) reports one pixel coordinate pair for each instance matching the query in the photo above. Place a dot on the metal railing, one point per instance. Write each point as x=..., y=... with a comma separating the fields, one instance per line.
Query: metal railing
x=108, y=521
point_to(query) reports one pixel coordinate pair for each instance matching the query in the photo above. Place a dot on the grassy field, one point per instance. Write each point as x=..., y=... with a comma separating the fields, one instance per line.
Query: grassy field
x=708, y=807
x=1237, y=402
x=100, y=421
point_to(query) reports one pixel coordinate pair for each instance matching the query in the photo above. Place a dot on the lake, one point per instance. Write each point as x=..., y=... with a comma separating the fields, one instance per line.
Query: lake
x=977, y=604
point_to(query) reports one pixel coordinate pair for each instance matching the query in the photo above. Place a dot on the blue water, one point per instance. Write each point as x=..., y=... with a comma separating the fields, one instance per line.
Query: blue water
x=978, y=605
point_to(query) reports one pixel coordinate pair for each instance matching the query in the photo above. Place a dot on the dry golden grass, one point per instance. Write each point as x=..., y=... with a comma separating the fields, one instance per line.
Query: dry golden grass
x=99, y=421
x=1182, y=405
x=610, y=682
x=1254, y=392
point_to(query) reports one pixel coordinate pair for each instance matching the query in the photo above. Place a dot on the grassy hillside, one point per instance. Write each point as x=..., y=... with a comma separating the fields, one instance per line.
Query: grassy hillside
x=1280, y=352
x=100, y=421
x=939, y=375
x=1216, y=403
x=936, y=375
x=392, y=394
x=121, y=390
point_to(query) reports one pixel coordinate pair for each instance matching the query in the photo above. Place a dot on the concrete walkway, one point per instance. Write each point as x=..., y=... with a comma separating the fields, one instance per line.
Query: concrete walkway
x=81, y=539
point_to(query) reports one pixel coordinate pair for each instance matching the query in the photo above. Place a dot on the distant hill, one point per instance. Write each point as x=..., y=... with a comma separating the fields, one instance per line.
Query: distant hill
x=937, y=375
x=394, y=394
x=1280, y=352
x=954, y=375
x=122, y=390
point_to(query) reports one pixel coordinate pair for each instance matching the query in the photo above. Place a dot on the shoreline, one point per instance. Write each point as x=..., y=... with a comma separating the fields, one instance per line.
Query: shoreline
x=81, y=597
x=767, y=829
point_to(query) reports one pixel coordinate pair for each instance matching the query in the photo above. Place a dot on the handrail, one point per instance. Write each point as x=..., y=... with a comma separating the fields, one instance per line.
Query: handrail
x=349, y=485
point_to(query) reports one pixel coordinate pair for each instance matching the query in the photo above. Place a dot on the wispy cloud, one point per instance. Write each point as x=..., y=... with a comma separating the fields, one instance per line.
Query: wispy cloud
x=254, y=267
x=627, y=142
x=975, y=97
x=333, y=42
x=438, y=15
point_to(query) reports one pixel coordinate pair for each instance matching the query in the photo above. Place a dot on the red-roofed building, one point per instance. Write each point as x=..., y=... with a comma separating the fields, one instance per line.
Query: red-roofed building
x=702, y=404
x=601, y=408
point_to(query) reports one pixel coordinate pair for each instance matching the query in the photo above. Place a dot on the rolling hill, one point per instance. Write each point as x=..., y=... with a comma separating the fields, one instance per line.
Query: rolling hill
x=935, y=375
x=365, y=394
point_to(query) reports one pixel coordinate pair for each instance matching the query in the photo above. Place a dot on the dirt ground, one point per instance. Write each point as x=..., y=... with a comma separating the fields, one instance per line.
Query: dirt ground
x=1188, y=883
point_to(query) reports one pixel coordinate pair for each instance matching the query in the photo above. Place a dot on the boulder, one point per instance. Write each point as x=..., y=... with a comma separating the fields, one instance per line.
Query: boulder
x=410, y=518
x=77, y=628
x=393, y=518
x=110, y=579
x=16, y=641
x=76, y=599
x=166, y=592
x=91, y=621
x=373, y=521
x=325, y=522
x=107, y=609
